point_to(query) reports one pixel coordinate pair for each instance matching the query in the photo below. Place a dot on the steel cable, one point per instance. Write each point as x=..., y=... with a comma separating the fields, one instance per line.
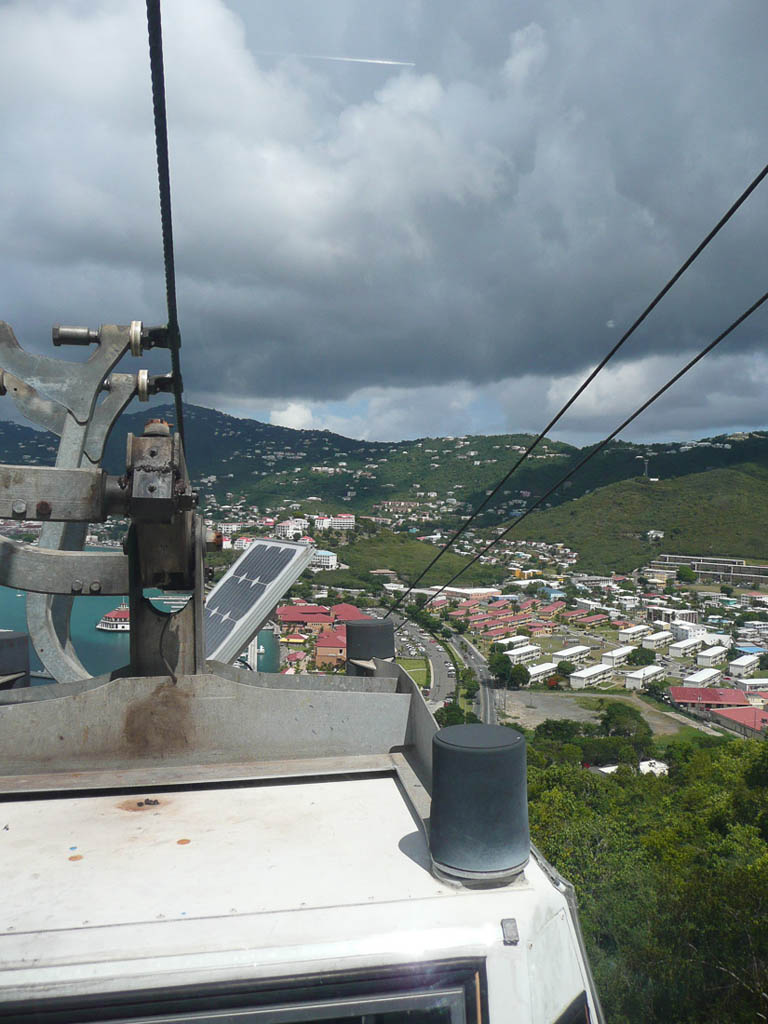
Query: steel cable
x=591, y=376
x=590, y=455
x=155, y=32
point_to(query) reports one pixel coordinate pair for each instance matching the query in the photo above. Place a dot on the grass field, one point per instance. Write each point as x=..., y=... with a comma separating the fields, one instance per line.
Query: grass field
x=417, y=669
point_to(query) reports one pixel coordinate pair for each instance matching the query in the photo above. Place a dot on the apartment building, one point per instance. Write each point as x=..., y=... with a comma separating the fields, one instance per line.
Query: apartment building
x=590, y=676
x=654, y=641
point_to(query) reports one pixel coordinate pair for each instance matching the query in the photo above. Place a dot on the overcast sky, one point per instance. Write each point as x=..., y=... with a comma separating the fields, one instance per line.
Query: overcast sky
x=395, y=251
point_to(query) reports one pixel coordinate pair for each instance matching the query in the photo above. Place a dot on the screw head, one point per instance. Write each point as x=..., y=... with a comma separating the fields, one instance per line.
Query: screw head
x=19, y=508
x=77, y=586
x=95, y=587
x=43, y=509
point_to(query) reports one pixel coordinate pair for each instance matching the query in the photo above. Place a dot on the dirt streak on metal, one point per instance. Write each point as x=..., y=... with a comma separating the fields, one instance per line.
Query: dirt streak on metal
x=161, y=722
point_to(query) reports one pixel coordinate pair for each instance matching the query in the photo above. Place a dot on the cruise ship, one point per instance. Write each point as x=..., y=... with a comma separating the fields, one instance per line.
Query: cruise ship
x=116, y=621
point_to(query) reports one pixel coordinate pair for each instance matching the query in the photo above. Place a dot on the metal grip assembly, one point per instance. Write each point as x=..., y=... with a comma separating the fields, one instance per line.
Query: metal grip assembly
x=165, y=542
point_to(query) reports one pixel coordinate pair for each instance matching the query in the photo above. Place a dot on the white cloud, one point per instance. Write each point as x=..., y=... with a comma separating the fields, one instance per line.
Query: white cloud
x=398, y=251
x=295, y=415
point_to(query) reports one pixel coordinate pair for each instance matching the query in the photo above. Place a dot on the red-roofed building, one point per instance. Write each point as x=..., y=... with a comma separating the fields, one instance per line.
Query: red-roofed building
x=547, y=611
x=302, y=606
x=310, y=616
x=707, y=697
x=491, y=634
x=540, y=628
x=331, y=649
x=577, y=613
x=296, y=659
x=753, y=721
x=347, y=613
x=530, y=602
x=593, y=620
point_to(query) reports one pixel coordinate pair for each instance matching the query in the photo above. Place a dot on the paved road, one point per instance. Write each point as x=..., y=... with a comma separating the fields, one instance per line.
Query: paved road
x=472, y=658
x=443, y=685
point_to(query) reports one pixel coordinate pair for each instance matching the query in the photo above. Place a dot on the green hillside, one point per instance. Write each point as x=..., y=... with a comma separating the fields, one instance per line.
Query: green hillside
x=723, y=511
x=405, y=556
x=270, y=466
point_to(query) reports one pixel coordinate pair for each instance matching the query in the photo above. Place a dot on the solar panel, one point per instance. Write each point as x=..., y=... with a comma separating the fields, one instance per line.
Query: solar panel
x=244, y=597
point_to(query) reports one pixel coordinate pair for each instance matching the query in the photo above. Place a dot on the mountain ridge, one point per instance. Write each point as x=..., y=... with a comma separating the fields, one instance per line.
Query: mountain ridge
x=271, y=465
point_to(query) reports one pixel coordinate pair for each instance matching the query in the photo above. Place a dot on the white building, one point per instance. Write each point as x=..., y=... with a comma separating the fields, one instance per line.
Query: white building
x=654, y=641
x=324, y=560
x=242, y=543
x=292, y=527
x=754, y=686
x=665, y=613
x=704, y=677
x=633, y=633
x=617, y=656
x=523, y=654
x=685, y=630
x=542, y=671
x=343, y=521
x=637, y=679
x=686, y=648
x=711, y=656
x=574, y=654
x=513, y=641
x=590, y=676
x=745, y=666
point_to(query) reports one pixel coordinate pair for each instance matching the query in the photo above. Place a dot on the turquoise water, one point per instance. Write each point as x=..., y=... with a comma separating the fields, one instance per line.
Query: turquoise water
x=99, y=652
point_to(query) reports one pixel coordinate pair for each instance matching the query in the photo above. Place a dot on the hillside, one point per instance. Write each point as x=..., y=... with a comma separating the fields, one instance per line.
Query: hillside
x=270, y=466
x=723, y=511
x=407, y=557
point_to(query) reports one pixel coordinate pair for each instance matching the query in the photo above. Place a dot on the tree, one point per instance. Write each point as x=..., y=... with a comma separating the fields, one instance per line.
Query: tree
x=619, y=719
x=641, y=656
x=685, y=574
x=518, y=676
x=725, y=589
x=656, y=689
x=565, y=668
x=449, y=715
x=499, y=665
x=763, y=661
x=564, y=730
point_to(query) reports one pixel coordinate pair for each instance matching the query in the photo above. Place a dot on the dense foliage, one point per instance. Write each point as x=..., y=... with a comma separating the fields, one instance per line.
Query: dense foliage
x=671, y=872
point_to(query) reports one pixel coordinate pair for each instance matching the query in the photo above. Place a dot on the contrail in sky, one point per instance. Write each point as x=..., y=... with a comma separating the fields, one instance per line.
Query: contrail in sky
x=347, y=60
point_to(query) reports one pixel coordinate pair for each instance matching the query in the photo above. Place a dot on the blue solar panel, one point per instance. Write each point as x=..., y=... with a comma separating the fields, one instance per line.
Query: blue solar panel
x=241, y=601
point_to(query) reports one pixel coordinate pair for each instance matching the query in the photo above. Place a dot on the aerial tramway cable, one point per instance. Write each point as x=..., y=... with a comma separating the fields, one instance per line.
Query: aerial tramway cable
x=154, y=28
x=590, y=455
x=588, y=380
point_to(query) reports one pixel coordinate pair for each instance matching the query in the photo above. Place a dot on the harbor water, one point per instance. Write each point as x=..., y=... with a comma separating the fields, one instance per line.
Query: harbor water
x=99, y=651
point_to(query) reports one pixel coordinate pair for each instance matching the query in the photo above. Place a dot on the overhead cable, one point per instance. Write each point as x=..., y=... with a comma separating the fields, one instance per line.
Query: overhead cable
x=588, y=380
x=154, y=28
x=595, y=451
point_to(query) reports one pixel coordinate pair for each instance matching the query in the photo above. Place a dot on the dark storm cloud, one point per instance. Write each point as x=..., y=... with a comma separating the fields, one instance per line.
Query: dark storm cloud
x=479, y=218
